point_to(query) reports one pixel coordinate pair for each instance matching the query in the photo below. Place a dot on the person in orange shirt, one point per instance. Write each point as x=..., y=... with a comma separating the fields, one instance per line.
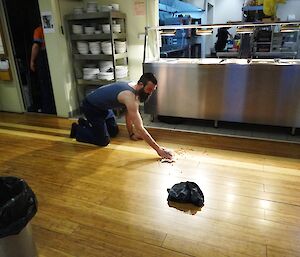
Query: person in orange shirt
x=39, y=65
x=38, y=44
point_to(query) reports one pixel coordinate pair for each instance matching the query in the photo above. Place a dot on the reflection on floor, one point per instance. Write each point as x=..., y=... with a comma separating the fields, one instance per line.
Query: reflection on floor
x=112, y=201
x=224, y=128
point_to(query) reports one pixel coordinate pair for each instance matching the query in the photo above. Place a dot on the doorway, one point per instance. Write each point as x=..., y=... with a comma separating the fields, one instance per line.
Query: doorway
x=23, y=17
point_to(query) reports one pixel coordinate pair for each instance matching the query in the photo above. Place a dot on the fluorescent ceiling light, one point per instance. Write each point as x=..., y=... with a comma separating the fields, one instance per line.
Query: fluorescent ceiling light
x=168, y=32
x=203, y=32
x=244, y=30
x=289, y=29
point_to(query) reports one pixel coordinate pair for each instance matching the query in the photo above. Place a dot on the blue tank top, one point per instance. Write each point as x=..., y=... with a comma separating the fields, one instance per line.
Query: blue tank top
x=106, y=97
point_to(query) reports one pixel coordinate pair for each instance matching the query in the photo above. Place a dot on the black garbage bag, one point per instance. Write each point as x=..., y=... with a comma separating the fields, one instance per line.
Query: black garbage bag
x=18, y=205
x=186, y=192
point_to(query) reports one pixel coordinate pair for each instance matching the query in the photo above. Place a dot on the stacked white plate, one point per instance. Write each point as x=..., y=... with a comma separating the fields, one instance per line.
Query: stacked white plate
x=116, y=28
x=95, y=47
x=115, y=7
x=121, y=71
x=106, y=47
x=82, y=47
x=89, y=30
x=91, y=7
x=77, y=29
x=90, y=73
x=78, y=10
x=106, y=75
x=105, y=65
x=120, y=47
x=106, y=28
x=106, y=8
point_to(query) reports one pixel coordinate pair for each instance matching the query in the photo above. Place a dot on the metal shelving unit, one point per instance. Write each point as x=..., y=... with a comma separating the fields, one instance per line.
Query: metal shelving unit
x=81, y=60
x=104, y=57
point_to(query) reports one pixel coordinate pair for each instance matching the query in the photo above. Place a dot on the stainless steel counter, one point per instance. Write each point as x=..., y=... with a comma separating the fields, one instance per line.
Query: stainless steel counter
x=239, y=90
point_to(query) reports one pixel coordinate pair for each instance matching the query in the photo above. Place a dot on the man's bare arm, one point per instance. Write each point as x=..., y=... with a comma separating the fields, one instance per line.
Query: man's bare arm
x=132, y=105
x=34, y=53
x=128, y=124
x=135, y=117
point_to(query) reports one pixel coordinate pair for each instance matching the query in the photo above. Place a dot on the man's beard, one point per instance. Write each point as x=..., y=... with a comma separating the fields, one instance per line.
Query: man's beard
x=143, y=96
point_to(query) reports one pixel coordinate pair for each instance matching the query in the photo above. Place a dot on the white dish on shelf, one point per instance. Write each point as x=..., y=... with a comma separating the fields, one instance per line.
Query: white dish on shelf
x=106, y=28
x=120, y=50
x=89, y=30
x=90, y=73
x=115, y=7
x=91, y=5
x=88, y=70
x=78, y=10
x=116, y=28
x=83, y=52
x=91, y=10
x=90, y=77
x=95, y=51
x=77, y=29
x=106, y=8
x=120, y=43
x=106, y=75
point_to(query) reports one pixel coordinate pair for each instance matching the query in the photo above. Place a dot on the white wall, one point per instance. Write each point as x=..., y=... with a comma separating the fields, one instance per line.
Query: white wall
x=227, y=10
x=290, y=7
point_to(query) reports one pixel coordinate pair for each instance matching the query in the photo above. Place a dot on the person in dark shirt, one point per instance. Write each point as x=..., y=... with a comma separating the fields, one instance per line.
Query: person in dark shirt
x=222, y=39
x=100, y=123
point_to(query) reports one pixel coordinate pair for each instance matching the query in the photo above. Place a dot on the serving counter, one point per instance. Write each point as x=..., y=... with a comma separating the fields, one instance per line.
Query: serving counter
x=237, y=90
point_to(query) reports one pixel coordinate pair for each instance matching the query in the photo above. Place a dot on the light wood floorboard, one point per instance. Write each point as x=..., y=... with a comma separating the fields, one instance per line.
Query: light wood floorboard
x=112, y=201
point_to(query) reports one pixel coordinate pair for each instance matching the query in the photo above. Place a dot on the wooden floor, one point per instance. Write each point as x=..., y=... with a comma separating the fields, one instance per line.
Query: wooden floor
x=112, y=201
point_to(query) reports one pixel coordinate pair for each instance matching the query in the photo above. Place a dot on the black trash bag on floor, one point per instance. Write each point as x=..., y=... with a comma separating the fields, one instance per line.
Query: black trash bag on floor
x=186, y=192
x=18, y=205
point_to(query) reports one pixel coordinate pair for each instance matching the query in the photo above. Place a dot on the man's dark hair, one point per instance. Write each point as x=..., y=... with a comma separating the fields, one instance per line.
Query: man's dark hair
x=147, y=77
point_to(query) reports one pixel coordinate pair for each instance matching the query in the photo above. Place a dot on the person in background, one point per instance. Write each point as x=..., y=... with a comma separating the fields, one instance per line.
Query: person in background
x=39, y=66
x=100, y=123
x=222, y=39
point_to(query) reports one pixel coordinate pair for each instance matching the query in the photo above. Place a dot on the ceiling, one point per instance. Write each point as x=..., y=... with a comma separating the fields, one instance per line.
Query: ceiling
x=177, y=6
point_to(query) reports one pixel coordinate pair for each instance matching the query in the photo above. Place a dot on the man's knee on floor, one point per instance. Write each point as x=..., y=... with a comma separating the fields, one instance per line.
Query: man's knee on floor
x=113, y=131
x=103, y=141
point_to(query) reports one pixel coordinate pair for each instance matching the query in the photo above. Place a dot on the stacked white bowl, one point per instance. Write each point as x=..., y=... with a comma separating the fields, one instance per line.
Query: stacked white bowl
x=77, y=29
x=106, y=28
x=121, y=71
x=106, y=8
x=90, y=73
x=82, y=47
x=106, y=47
x=89, y=30
x=95, y=47
x=116, y=28
x=108, y=75
x=105, y=66
x=91, y=7
x=120, y=47
x=115, y=7
x=78, y=10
